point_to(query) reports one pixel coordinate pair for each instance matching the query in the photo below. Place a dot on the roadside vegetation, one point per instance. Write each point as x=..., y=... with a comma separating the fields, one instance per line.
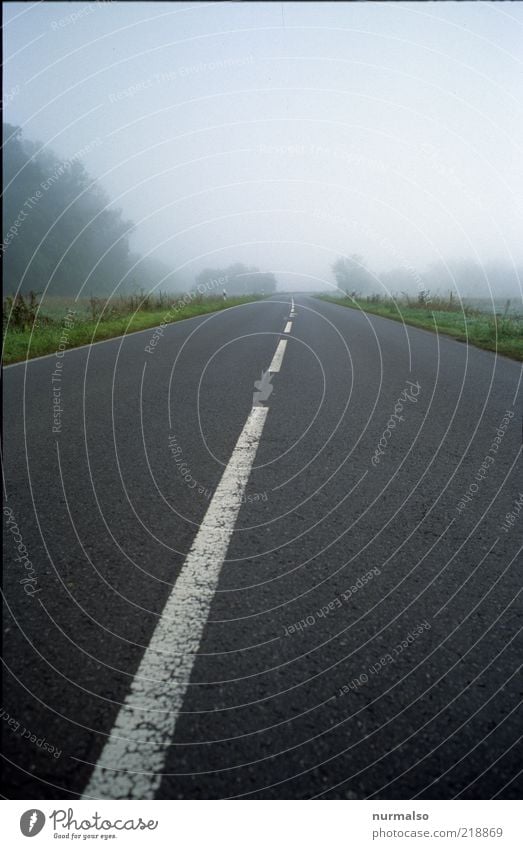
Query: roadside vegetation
x=32, y=329
x=501, y=332
x=59, y=226
x=480, y=316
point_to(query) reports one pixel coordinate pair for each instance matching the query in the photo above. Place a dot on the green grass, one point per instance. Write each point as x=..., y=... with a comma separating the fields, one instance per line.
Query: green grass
x=503, y=334
x=96, y=320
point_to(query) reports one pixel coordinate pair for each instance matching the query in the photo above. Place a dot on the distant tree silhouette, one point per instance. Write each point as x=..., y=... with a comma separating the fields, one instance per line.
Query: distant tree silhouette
x=351, y=274
x=237, y=279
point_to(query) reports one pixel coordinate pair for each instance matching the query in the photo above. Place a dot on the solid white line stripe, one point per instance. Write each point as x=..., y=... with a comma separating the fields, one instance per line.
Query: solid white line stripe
x=288, y=327
x=275, y=366
x=132, y=760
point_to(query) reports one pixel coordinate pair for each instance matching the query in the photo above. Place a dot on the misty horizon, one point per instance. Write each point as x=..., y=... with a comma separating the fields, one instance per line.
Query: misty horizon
x=283, y=136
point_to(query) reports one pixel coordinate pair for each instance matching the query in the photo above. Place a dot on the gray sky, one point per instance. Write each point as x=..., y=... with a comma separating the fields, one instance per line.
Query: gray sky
x=284, y=134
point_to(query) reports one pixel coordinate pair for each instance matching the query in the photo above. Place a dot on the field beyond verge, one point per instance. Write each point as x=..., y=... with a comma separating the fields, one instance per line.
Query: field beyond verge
x=500, y=333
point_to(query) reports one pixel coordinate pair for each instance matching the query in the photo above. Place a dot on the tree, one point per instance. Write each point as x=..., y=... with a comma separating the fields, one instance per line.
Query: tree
x=59, y=231
x=351, y=274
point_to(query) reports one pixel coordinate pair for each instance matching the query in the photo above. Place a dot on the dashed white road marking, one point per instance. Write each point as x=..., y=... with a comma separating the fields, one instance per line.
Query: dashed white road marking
x=288, y=327
x=277, y=360
x=133, y=758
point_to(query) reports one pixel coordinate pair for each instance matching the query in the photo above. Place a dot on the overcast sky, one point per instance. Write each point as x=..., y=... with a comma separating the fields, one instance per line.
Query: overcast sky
x=284, y=134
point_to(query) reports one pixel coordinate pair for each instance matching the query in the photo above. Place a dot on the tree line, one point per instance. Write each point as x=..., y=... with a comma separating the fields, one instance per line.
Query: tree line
x=59, y=230
x=62, y=235
x=236, y=279
x=461, y=276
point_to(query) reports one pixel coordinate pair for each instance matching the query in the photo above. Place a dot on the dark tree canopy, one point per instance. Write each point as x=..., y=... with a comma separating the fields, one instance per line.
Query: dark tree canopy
x=59, y=230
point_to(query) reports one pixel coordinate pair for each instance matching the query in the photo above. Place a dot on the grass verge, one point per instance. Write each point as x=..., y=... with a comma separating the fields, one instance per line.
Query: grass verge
x=45, y=332
x=502, y=334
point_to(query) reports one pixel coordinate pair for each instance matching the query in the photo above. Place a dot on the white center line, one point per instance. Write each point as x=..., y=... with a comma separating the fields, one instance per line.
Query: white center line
x=288, y=327
x=277, y=360
x=131, y=763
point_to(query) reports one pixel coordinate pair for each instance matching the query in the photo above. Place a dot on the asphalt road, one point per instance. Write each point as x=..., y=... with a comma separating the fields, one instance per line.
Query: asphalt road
x=361, y=638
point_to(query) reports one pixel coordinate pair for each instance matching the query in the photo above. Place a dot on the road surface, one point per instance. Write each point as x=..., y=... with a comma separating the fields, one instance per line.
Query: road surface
x=268, y=557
